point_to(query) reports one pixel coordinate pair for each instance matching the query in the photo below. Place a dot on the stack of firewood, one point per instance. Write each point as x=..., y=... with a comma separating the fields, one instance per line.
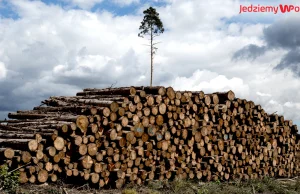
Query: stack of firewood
x=109, y=137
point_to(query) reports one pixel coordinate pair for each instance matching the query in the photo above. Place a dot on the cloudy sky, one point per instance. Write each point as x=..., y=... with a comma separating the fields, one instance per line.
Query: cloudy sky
x=59, y=47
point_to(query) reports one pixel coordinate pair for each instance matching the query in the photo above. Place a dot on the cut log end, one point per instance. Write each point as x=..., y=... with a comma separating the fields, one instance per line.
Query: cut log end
x=82, y=123
x=42, y=176
x=59, y=143
x=9, y=153
x=33, y=145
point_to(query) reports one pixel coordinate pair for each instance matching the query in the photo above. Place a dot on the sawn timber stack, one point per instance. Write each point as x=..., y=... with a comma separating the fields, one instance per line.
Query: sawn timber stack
x=113, y=136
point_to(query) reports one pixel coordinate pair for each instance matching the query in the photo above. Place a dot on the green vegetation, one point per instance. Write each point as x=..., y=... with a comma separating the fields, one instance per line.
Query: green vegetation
x=264, y=186
x=9, y=182
x=129, y=191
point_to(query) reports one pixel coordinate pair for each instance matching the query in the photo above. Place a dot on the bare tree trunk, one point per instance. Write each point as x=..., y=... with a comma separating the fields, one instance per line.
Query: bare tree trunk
x=151, y=58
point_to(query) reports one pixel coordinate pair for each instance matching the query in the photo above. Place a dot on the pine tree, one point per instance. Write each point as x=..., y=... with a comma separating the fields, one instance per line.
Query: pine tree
x=153, y=27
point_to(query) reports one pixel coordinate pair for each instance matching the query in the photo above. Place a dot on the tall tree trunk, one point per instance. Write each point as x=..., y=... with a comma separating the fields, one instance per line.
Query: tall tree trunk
x=151, y=57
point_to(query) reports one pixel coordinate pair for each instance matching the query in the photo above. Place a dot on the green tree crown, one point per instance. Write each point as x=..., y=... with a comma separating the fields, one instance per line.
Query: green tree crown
x=151, y=23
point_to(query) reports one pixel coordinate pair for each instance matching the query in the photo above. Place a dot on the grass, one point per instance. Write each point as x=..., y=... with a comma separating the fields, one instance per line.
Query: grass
x=264, y=186
x=129, y=191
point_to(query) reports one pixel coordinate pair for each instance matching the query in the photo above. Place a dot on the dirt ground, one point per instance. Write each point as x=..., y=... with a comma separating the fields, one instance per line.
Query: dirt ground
x=265, y=186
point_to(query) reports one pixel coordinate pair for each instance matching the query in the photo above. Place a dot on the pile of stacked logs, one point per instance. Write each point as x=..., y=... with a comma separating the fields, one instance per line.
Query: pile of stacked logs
x=109, y=137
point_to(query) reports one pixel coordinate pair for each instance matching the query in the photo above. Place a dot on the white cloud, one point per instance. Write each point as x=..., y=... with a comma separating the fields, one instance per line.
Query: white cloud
x=84, y=4
x=126, y=2
x=192, y=16
x=2, y=71
x=209, y=82
x=263, y=94
x=282, y=96
x=57, y=54
x=292, y=105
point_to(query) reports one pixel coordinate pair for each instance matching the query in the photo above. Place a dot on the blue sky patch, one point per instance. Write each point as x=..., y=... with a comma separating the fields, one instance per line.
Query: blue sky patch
x=7, y=11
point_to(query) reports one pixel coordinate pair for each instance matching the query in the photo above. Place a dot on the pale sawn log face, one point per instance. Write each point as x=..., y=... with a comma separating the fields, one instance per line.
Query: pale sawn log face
x=109, y=137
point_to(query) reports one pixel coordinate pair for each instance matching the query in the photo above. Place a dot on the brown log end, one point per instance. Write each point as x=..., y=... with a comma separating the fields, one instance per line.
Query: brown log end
x=82, y=123
x=132, y=91
x=114, y=106
x=231, y=95
x=32, y=145
x=26, y=157
x=138, y=130
x=87, y=162
x=59, y=143
x=171, y=93
x=42, y=176
x=9, y=153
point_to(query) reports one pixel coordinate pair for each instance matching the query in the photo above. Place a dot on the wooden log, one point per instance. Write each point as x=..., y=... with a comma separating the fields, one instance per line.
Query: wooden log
x=223, y=96
x=54, y=116
x=14, y=143
x=59, y=143
x=171, y=93
x=7, y=153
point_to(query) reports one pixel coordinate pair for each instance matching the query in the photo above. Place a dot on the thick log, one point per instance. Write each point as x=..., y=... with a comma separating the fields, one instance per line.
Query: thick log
x=7, y=153
x=9, y=135
x=55, y=116
x=82, y=123
x=108, y=91
x=223, y=96
x=15, y=143
x=123, y=91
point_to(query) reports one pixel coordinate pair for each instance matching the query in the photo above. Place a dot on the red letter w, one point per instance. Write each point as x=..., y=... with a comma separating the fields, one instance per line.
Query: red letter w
x=286, y=8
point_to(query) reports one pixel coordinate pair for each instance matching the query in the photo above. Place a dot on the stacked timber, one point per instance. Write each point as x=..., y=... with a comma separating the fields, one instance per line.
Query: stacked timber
x=113, y=136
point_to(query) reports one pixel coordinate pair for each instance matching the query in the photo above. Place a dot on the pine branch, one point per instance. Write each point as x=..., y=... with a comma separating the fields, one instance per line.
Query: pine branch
x=157, y=43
